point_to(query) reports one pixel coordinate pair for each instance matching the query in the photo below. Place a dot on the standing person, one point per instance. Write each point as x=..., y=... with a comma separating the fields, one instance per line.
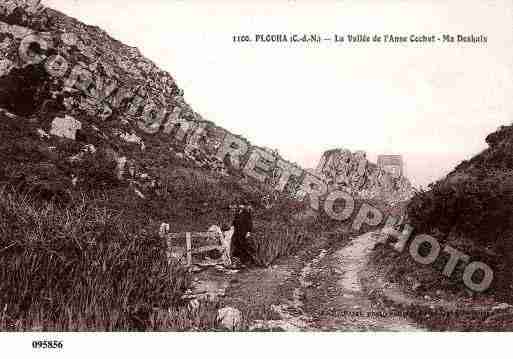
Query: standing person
x=243, y=226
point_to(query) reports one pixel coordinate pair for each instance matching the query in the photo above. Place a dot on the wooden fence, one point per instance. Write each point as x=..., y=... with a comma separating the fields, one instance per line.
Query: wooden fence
x=195, y=243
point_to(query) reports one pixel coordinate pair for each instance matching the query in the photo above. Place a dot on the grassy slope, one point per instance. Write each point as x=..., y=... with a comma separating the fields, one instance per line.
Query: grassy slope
x=470, y=210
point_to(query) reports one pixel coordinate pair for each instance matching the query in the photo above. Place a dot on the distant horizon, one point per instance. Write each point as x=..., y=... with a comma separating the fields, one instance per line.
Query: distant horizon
x=432, y=104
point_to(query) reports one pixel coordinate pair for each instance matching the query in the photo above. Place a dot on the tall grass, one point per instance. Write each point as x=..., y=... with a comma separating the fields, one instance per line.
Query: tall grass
x=95, y=262
x=81, y=267
x=88, y=265
x=272, y=240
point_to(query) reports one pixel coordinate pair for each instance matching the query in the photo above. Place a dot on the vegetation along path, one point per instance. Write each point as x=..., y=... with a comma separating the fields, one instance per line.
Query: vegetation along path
x=319, y=289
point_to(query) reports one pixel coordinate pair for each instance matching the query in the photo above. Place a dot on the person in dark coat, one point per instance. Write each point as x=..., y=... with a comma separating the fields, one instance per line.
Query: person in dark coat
x=243, y=226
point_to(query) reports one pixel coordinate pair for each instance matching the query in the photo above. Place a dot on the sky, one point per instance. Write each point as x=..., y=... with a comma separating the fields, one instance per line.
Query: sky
x=432, y=103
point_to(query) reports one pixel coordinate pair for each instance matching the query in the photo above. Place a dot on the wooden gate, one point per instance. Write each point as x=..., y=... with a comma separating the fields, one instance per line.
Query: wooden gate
x=183, y=246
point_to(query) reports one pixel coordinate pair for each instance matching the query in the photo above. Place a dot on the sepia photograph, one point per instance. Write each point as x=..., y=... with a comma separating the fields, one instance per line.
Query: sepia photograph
x=249, y=168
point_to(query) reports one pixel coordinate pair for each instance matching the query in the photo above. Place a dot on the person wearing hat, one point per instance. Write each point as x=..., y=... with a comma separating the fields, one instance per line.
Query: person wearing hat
x=243, y=226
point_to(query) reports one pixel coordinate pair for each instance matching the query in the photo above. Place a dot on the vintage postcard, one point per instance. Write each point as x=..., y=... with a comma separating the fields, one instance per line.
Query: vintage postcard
x=254, y=166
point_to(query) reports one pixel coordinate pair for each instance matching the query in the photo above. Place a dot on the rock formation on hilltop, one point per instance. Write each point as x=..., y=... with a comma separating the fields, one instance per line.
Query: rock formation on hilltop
x=352, y=172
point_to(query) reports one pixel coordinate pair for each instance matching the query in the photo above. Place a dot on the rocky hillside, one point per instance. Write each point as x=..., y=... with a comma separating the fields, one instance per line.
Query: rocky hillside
x=78, y=101
x=82, y=113
x=351, y=171
x=91, y=103
x=73, y=99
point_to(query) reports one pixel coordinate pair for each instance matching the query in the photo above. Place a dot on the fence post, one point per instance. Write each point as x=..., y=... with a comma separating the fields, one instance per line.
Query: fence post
x=188, y=248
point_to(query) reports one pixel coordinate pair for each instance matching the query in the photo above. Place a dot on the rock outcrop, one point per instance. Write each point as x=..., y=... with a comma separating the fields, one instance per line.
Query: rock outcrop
x=352, y=172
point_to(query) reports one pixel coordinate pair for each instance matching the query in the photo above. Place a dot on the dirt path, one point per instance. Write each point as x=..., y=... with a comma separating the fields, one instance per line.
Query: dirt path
x=341, y=302
x=317, y=290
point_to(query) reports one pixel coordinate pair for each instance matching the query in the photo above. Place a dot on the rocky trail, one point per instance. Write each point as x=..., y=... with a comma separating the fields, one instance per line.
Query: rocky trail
x=319, y=289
